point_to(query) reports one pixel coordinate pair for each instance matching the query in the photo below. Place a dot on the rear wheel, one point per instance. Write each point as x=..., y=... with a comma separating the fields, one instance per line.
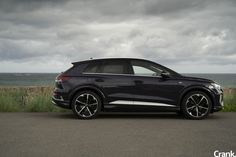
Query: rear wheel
x=86, y=105
x=196, y=105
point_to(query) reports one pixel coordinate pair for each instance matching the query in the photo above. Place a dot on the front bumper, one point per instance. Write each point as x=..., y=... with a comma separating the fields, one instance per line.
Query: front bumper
x=219, y=102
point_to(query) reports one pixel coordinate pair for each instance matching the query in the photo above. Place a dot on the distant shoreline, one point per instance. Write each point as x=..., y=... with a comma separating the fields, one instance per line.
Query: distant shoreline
x=227, y=90
x=226, y=80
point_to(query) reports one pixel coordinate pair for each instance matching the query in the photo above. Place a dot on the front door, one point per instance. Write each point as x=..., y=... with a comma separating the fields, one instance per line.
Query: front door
x=150, y=88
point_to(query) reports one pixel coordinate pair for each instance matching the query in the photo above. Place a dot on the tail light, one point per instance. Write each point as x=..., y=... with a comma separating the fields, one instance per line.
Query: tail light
x=62, y=78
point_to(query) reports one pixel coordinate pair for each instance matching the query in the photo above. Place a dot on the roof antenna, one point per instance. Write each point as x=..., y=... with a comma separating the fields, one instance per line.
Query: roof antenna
x=91, y=57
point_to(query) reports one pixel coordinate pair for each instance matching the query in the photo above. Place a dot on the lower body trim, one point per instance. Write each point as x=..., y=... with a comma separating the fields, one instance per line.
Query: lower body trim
x=143, y=103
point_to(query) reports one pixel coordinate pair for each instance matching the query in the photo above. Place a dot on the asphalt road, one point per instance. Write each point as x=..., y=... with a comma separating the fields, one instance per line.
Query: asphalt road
x=60, y=134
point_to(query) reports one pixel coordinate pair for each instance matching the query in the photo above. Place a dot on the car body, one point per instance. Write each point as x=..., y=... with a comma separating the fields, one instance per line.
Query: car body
x=130, y=84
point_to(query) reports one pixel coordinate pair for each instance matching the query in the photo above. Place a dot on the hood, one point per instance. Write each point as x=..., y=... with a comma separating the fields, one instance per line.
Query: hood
x=197, y=79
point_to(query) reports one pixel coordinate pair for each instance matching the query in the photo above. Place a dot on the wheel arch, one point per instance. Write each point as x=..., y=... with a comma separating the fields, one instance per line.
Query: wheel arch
x=197, y=88
x=89, y=88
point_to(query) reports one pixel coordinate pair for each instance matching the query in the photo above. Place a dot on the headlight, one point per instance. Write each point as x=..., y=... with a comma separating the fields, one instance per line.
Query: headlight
x=216, y=87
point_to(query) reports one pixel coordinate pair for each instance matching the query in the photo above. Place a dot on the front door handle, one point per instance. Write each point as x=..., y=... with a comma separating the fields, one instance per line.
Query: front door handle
x=138, y=82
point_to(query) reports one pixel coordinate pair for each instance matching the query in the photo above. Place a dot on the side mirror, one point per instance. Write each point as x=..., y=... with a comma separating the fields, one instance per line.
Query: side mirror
x=165, y=74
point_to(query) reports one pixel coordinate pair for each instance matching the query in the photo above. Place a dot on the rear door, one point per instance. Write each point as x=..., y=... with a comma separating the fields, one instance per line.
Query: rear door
x=113, y=78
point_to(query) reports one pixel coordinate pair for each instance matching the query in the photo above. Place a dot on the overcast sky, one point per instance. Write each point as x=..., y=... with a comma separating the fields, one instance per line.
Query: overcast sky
x=189, y=36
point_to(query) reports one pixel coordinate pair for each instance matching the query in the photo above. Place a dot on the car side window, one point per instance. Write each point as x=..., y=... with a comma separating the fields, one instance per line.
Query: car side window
x=138, y=70
x=114, y=67
x=145, y=68
x=92, y=68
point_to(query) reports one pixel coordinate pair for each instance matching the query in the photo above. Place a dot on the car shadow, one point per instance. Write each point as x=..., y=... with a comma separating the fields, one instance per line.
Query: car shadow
x=139, y=116
x=125, y=115
x=69, y=115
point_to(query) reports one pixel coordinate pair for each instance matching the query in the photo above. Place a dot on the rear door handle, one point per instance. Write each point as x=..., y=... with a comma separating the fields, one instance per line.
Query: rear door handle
x=99, y=80
x=138, y=82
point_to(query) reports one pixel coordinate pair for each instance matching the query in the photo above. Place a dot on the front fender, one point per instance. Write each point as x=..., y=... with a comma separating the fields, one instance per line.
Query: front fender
x=196, y=88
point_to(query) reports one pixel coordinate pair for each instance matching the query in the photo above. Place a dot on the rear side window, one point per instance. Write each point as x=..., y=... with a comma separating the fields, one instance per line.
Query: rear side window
x=92, y=68
x=114, y=67
x=108, y=67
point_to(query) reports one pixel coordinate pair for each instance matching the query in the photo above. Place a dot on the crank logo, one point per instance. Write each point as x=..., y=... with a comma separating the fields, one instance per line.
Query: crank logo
x=217, y=153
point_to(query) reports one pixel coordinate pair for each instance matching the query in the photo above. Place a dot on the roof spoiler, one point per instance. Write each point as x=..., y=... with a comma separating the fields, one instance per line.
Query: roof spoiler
x=81, y=61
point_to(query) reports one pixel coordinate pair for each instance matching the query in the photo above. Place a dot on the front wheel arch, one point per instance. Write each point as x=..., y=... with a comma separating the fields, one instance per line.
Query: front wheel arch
x=202, y=89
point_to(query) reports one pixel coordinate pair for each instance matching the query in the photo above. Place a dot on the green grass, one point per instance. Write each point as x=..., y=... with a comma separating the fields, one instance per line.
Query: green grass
x=38, y=99
x=230, y=102
x=27, y=99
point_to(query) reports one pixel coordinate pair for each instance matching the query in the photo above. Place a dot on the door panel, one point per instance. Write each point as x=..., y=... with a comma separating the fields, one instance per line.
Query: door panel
x=156, y=89
x=115, y=87
x=150, y=87
x=112, y=77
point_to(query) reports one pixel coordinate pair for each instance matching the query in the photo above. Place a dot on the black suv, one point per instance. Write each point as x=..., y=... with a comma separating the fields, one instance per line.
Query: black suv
x=127, y=84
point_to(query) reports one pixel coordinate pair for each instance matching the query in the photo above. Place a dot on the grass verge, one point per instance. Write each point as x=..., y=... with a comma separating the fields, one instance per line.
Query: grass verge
x=27, y=99
x=38, y=99
x=230, y=100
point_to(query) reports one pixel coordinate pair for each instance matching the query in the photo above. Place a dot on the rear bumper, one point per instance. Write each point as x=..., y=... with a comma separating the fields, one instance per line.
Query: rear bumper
x=61, y=102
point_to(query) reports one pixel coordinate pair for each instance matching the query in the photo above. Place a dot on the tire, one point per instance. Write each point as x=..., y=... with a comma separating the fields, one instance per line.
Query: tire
x=196, y=105
x=86, y=105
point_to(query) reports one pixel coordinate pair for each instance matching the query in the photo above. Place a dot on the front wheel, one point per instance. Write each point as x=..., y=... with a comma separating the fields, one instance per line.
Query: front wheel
x=196, y=105
x=86, y=105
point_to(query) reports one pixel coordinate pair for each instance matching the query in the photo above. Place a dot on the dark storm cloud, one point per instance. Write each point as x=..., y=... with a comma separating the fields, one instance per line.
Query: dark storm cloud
x=168, y=31
x=27, y=5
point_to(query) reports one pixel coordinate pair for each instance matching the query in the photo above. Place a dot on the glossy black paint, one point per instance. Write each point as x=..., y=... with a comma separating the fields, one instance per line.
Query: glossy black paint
x=164, y=89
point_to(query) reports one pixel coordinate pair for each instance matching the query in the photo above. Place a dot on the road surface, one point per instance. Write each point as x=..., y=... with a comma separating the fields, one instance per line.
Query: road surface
x=60, y=134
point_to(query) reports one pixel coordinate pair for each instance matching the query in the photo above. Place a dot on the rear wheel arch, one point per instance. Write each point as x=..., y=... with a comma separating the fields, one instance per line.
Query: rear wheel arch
x=88, y=88
x=201, y=89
